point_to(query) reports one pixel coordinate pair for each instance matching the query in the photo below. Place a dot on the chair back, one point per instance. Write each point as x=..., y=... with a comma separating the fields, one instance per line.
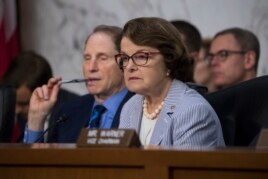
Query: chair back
x=242, y=110
x=7, y=112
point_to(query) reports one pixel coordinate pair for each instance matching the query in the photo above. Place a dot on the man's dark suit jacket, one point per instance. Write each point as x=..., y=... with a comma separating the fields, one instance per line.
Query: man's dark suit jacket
x=78, y=113
x=63, y=97
x=242, y=109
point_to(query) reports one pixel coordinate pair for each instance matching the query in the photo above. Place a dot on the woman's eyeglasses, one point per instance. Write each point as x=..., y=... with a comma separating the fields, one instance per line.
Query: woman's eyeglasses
x=139, y=58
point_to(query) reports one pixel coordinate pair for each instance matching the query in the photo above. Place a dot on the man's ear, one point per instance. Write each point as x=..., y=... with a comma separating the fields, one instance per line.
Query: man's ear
x=250, y=60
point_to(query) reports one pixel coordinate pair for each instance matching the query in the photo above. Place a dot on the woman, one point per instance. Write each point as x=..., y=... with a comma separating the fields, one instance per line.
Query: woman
x=164, y=110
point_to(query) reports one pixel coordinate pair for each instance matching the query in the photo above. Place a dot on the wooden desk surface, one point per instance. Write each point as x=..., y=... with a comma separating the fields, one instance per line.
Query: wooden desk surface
x=68, y=161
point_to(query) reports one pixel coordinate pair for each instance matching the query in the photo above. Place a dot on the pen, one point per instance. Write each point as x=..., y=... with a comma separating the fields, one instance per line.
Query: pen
x=73, y=81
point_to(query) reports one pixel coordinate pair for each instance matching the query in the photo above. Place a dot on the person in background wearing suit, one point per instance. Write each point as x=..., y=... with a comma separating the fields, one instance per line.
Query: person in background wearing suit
x=192, y=39
x=233, y=55
x=190, y=36
x=26, y=72
x=165, y=111
x=105, y=85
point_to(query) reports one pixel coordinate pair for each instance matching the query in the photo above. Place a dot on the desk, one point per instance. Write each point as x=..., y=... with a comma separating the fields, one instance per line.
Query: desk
x=67, y=161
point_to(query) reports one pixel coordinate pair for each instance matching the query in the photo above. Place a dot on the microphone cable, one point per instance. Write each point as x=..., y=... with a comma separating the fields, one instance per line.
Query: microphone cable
x=63, y=118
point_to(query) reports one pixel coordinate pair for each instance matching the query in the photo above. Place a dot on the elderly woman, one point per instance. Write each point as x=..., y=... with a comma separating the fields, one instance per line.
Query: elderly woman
x=164, y=111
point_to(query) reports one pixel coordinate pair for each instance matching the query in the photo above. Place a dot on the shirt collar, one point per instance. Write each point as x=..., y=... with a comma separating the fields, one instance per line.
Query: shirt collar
x=111, y=104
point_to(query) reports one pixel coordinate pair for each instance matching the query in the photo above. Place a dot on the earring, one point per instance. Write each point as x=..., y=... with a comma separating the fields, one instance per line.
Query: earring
x=168, y=73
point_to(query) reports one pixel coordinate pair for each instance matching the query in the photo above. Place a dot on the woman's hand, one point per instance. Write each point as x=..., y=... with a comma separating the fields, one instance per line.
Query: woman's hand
x=41, y=103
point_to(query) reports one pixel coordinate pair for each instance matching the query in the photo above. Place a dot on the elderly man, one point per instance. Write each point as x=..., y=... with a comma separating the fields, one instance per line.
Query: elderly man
x=98, y=109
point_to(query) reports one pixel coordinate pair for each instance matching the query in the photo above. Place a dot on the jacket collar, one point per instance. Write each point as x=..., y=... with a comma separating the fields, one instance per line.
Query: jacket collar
x=164, y=120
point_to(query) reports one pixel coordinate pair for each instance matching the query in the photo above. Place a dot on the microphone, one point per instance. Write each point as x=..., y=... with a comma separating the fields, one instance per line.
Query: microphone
x=63, y=118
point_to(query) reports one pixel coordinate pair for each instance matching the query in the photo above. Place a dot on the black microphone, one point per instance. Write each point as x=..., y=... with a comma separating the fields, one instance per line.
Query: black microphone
x=63, y=118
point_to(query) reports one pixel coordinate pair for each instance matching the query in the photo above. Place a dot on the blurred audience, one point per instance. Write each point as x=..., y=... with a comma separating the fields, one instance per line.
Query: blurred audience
x=202, y=69
x=26, y=72
x=192, y=39
x=190, y=36
x=233, y=55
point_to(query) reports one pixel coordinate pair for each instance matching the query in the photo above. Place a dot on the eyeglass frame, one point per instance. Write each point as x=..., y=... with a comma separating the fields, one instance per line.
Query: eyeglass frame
x=223, y=57
x=148, y=55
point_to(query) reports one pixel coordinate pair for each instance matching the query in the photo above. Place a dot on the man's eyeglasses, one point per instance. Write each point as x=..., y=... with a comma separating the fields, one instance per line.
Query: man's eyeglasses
x=139, y=58
x=223, y=55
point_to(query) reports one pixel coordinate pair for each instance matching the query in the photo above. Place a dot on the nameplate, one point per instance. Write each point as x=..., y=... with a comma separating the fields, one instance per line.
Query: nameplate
x=263, y=139
x=108, y=138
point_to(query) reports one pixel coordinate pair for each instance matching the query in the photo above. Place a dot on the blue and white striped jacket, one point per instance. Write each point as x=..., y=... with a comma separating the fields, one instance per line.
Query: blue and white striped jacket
x=186, y=119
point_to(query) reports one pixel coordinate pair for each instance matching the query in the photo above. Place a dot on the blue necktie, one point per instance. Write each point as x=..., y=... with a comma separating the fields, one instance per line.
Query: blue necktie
x=96, y=116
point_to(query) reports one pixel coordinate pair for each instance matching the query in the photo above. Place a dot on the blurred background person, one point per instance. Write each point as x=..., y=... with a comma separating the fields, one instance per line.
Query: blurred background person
x=234, y=56
x=202, y=69
x=164, y=111
x=192, y=39
x=26, y=72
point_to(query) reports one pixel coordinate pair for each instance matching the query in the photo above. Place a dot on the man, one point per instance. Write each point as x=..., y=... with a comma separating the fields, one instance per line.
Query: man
x=203, y=70
x=104, y=80
x=193, y=41
x=26, y=72
x=190, y=36
x=234, y=55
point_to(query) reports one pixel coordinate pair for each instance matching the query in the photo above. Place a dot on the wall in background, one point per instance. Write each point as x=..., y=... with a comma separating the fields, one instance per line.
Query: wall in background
x=57, y=29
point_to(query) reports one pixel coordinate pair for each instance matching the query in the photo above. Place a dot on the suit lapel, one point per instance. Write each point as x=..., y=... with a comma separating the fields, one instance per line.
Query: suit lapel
x=165, y=118
x=84, y=111
x=115, y=122
x=137, y=111
x=160, y=128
